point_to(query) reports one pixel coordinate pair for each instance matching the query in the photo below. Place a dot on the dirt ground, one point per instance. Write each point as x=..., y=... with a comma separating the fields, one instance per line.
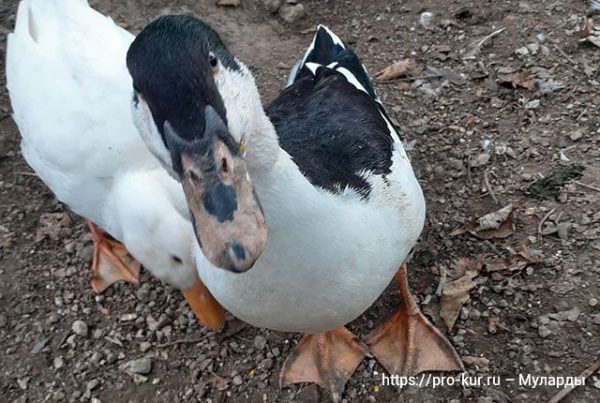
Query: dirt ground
x=478, y=144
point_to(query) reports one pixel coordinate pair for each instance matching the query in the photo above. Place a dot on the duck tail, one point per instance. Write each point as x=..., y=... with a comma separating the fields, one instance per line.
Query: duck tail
x=329, y=51
x=323, y=50
x=34, y=16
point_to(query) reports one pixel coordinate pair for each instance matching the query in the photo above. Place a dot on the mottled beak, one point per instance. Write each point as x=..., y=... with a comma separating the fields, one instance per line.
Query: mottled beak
x=228, y=220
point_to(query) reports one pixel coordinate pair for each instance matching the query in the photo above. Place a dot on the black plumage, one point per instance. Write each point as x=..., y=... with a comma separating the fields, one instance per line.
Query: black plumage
x=334, y=131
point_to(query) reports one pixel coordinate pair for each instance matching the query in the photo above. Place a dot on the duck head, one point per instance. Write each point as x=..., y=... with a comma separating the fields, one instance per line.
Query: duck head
x=179, y=111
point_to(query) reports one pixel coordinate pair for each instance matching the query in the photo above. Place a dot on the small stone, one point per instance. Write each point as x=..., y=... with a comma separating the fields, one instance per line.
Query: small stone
x=237, y=380
x=523, y=51
x=139, y=379
x=39, y=346
x=272, y=5
x=145, y=346
x=22, y=382
x=128, y=317
x=291, y=12
x=425, y=19
x=141, y=366
x=266, y=364
x=58, y=362
x=593, y=302
x=544, y=332
x=260, y=342
x=80, y=328
x=541, y=38
x=563, y=230
x=481, y=160
x=480, y=362
x=596, y=319
x=576, y=135
x=534, y=104
x=93, y=384
x=96, y=400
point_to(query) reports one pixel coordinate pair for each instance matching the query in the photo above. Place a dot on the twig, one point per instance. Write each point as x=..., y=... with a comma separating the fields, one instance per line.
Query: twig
x=543, y=221
x=566, y=56
x=427, y=77
x=587, y=186
x=442, y=283
x=486, y=182
x=469, y=179
x=26, y=173
x=477, y=48
x=186, y=341
x=584, y=375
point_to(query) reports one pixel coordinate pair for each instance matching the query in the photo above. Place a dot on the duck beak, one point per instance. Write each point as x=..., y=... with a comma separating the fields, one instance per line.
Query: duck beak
x=228, y=220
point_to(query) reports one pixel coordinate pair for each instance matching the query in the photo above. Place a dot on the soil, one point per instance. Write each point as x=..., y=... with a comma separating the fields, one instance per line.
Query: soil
x=463, y=133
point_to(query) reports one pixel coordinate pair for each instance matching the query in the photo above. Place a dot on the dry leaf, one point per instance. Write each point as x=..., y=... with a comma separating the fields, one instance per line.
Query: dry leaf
x=455, y=294
x=397, y=69
x=521, y=79
x=496, y=225
x=587, y=28
x=518, y=261
x=493, y=323
x=463, y=265
x=53, y=226
x=219, y=382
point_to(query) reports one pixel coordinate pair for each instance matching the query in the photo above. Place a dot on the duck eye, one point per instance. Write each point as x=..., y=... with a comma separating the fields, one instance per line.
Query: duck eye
x=176, y=259
x=212, y=60
x=194, y=176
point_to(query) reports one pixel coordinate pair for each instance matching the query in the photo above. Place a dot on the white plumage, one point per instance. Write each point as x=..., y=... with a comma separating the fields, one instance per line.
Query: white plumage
x=70, y=93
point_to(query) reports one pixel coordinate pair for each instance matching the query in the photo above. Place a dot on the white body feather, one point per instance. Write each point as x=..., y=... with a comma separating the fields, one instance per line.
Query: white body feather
x=70, y=93
x=328, y=256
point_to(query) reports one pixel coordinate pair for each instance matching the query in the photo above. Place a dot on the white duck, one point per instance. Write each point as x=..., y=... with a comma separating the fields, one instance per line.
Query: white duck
x=70, y=91
x=342, y=205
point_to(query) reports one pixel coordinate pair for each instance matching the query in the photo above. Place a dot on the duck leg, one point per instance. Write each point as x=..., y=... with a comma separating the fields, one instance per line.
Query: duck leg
x=205, y=306
x=408, y=343
x=327, y=359
x=112, y=262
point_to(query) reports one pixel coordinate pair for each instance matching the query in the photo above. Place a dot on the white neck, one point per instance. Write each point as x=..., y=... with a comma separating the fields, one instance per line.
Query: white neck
x=279, y=182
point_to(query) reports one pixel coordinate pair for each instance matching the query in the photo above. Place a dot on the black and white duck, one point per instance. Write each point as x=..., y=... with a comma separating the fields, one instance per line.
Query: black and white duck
x=304, y=210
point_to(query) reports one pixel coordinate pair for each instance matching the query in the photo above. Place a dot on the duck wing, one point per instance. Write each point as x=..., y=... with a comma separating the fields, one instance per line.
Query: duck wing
x=331, y=121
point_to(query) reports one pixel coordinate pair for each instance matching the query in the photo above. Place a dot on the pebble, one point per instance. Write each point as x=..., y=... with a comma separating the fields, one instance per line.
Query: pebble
x=141, y=366
x=237, y=380
x=139, y=379
x=93, y=384
x=266, y=364
x=58, y=362
x=260, y=342
x=80, y=328
x=145, y=346
x=596, y=318
x=291, y=12
x=272, y=5
x=593, y=302
x=563, y=229
x=425, y=19
x=544, y=332
x=576, y=135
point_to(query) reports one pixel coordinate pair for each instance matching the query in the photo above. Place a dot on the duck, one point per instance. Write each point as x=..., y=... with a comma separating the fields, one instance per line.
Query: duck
x=304, y=210
x=70, y=93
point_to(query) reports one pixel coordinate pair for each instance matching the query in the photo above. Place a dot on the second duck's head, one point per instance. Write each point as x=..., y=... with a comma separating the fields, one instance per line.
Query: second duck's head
x=176, y=63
